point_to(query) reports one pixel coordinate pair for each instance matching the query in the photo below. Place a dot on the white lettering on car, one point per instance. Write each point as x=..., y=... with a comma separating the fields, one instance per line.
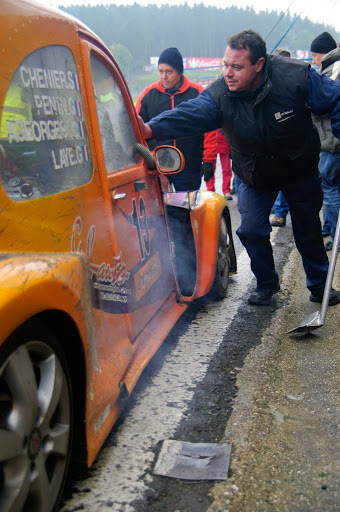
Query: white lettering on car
x=53, y=105
x=48, y=78
x=37, y=131
x=66, y=157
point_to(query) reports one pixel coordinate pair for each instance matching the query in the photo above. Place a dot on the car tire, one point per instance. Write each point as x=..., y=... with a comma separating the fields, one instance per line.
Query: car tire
x=225, y=247
x=36, y=420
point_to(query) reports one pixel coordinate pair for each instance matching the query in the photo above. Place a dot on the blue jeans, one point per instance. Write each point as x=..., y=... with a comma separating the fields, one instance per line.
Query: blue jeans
x=281, y=206
x=237, y=182
x=329, y=167
x=326, y=228
x=304, y=198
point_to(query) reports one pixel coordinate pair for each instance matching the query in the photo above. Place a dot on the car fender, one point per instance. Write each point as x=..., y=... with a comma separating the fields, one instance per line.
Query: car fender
x=35, y=283
x=206, y=210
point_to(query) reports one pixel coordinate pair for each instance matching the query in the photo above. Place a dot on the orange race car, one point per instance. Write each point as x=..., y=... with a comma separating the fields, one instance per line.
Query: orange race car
x=98, y=256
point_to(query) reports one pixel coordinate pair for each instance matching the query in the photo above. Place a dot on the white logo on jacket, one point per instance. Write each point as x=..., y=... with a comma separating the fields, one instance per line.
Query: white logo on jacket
x=284, y=116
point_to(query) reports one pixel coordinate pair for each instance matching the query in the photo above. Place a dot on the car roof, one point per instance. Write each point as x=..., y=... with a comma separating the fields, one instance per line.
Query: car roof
x=26, y=25
x=14, y=13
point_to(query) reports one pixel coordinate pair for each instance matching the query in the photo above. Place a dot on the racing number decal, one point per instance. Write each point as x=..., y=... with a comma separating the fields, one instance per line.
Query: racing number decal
x=140, y=222
x=146, y=238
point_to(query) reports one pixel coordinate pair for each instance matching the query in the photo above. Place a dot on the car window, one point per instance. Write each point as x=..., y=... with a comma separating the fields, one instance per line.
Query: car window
x=44, y=147
x=117, y=135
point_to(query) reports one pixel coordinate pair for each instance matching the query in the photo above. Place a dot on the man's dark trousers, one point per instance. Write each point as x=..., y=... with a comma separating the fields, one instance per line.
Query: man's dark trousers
x=304, y=197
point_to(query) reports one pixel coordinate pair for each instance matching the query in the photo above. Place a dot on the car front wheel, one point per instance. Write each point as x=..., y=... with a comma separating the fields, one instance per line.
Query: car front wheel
x=36, y=417
x=220, y=285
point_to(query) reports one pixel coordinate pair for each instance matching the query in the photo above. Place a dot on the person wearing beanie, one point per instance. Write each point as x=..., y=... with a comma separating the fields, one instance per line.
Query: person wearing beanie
x=263, y=103
x=173, y=58
x=172, y=89
x=320, y=46
x=326, y=55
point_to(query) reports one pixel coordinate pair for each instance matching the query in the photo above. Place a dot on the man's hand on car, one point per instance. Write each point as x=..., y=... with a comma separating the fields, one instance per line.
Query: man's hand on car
x=147, y=132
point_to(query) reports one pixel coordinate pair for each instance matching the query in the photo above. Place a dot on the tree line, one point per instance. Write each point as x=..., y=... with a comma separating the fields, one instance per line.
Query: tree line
x=134, y=33
x=197, y=31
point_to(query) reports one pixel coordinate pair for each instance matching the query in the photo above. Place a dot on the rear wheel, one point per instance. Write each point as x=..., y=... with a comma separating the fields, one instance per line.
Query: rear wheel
x=220, y=285
x=36, y=417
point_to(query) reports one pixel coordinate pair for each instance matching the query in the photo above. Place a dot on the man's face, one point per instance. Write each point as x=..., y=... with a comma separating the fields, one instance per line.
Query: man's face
x=317, y=58
x=239, y=73
x=168, y=76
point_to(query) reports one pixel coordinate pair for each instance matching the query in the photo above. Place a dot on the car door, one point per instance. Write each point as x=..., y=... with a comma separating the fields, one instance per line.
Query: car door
x=141, y=247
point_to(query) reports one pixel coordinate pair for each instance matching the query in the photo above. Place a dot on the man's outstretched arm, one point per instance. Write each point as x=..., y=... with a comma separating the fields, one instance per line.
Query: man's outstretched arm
x=193, y=117
x=146, y=129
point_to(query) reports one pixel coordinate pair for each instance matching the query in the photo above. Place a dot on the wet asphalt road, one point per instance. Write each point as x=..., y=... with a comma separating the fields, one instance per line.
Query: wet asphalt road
x=186, y=393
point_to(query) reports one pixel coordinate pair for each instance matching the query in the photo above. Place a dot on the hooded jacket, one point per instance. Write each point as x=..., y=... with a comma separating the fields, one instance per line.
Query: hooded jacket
x=330, y=66
x=155, y=99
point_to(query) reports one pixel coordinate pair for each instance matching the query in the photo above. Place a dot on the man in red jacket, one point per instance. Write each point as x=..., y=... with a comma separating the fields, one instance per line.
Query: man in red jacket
x=223, y=150
x=172, y=89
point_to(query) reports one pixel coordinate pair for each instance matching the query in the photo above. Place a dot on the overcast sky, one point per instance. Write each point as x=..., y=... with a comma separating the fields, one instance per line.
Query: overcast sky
x=323, y=11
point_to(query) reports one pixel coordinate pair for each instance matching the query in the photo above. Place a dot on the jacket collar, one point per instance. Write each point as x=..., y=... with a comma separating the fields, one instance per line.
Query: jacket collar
x=330, y=58
x=181, y=87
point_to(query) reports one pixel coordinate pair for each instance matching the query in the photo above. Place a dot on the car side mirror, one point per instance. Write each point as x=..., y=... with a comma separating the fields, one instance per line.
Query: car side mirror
x=169, y=159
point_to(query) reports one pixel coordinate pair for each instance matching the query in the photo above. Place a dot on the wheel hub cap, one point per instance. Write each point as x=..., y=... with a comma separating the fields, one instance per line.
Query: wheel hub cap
x=34, y=443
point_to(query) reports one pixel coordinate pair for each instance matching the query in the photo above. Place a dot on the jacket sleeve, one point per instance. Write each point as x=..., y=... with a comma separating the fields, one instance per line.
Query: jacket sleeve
x=210, y=146
x=193, y=117
x=323, y=97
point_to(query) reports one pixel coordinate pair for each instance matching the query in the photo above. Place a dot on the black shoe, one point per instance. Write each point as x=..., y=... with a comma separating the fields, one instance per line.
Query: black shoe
x=334, y=297
x=329, y=246
x=262, y=297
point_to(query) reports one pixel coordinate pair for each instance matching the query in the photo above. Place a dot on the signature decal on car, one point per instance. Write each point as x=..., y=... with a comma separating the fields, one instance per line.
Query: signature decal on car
x=113, y=290
x=107, y=279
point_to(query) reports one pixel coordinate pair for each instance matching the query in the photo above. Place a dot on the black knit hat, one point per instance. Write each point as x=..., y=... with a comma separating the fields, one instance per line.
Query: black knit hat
x=173, y=58
x=324, y=43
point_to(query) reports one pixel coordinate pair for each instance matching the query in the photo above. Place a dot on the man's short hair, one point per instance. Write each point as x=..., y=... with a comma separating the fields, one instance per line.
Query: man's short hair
x=249, y=40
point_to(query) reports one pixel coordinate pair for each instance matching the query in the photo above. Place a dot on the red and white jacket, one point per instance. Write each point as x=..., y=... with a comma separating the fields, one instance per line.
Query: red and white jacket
x=155, y=99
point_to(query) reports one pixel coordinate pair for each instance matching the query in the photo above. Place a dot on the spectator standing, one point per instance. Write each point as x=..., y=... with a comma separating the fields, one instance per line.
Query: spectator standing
x=172, y=89
x=223, y=151
x=326, y=55
x=263, y=103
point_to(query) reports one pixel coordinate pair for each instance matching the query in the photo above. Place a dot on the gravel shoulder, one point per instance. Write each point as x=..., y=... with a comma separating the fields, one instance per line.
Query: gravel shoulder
x=285, y=424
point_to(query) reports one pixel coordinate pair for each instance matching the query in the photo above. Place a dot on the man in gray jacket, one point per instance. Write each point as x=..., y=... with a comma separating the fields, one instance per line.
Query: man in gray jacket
x=326, y=56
